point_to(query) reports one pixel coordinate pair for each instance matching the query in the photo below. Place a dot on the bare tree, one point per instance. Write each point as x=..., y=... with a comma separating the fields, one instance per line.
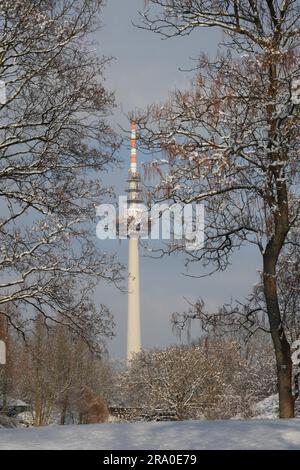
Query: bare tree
x=232, y=140
x=50, y=371
x=55, y=140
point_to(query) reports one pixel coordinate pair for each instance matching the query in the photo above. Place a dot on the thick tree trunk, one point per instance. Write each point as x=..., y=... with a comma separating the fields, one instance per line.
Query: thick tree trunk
x=4, y=337
x=284, y=372
x=281, y=345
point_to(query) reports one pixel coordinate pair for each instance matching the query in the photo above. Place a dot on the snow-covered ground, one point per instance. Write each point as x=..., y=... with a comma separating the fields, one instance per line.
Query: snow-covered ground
x=230, y=434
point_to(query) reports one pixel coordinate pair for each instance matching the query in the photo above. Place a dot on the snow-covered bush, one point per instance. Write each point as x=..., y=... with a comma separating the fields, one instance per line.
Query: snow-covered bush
x=212, y=380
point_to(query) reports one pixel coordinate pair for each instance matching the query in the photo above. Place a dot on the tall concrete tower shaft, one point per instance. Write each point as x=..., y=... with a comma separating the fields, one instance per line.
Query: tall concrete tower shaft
x=133, y=326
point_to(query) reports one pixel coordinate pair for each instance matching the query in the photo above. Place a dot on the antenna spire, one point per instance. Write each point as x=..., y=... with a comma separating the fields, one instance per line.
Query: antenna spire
x=133, y=148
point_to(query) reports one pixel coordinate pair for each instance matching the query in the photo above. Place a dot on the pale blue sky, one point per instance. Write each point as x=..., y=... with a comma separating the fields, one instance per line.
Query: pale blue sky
x=144, y=70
